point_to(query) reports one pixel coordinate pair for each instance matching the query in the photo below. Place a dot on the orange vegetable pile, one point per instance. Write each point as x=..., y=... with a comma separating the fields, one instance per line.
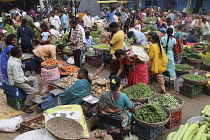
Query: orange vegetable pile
x=69, y=69
x=49, y=62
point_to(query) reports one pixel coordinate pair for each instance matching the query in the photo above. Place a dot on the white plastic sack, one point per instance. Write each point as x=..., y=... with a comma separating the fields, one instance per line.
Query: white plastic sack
x=141, y=54
x=11, y=124
x=71, y=60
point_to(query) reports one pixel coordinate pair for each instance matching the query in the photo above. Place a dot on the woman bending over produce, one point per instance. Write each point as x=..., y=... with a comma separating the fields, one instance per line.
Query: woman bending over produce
x=158, y=61
x=113, y=68
x=138, y=71
x=76, y=92
x=112, y=103
x=169, y=46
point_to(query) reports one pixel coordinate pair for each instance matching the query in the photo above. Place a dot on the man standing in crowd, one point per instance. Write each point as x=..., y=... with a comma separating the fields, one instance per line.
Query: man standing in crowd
x=124, y=17
x=30, y=20
x=117, y=38
x=171, y=15
x=206, y=29
x=25, y=35
x=169, y=24
x=188, y=22
x=55, y=20
x=110, y=14
x=33, y=14
x=147, y=10
x=64, y=21
x=87, y=20
x=77, y=42
x=17, y=78
x=8, y=20
x=54, y=32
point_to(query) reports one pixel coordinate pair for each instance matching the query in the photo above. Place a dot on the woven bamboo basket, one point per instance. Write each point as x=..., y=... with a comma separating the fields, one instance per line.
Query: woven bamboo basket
x=171, y=110
x=195, y=82
x=142, y=100
x=182, y=72
x=153, y=124
x=197, y=61
x=64, y=128
x=200, y=72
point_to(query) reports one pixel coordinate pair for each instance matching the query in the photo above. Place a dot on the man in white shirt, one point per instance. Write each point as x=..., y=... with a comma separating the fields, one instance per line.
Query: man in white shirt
x=139, y=37
x=54, y=32
x=115, y=18
x=124, y=17
x=169, y=24
x=55, y=20
x=17, y=78
x=87, y=20
x=206, y=29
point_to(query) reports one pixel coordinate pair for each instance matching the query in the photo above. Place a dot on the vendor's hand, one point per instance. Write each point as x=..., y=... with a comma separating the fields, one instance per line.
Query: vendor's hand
x=30, y=83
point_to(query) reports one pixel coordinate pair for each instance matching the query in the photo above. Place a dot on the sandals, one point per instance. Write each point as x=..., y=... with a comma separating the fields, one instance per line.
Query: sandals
x=27, y=110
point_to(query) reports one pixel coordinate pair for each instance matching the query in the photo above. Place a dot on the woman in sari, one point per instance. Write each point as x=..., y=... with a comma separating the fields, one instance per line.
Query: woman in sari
x=169, y=43
x=138, y=71
x=112, y=103
x=179, y=43
x=158, y=61
x=10, y=42
x=76, y=92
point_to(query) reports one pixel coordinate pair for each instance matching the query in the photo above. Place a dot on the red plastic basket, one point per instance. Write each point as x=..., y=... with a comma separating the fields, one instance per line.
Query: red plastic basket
x=25, y=126
x=174, y=120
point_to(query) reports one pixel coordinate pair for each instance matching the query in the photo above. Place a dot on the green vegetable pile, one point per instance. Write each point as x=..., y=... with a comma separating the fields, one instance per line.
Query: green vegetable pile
x=151, y=113
x=194, y=131
x=127, y=44
x=140, y=91
x=149, y=28
x=206, y=111
x=187, y=51
x=192, y=77
x=166, y=100
x=207, y=62
x=183, y=67
x=92, y=53
x=195, y=56
x=102, y=46
x=64, y=39
x=95, y=34
x=96, y=41
x=10, y=30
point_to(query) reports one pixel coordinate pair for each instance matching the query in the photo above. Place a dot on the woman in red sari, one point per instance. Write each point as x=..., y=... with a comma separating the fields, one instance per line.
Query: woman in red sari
x=138, y=71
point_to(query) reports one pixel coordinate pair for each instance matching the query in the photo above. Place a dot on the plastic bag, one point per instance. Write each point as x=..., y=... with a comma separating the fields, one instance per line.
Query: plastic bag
x=11, y=124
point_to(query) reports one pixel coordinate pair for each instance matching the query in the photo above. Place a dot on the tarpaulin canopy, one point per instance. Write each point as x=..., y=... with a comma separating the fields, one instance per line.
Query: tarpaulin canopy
x=90, y=5
x=7, y=0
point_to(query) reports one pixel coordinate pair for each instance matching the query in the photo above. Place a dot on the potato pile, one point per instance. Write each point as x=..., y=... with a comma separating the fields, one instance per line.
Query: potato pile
x=97, y=89
x=39, y=124
x=102, y=82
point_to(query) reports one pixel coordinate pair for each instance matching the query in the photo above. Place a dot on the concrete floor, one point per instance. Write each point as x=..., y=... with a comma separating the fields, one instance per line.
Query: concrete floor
x=191, y=108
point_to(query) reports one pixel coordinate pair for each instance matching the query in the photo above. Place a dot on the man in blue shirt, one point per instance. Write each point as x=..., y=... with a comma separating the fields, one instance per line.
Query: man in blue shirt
x=139, y=37
x=89, y=39
x=191, y=38
x=64, y=21
x=110, y=15
x=25, y=34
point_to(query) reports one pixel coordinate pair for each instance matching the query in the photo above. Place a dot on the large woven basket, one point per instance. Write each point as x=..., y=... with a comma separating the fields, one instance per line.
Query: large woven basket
x=195, y=82
x=142, y=100
x=153, y=124
x=200, y=72
x=64, y=128
x=182, y=72
x=171, y=110
x=197, y=61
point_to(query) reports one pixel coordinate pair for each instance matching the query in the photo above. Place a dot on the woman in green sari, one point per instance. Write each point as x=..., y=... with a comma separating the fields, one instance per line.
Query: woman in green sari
x=76, y=92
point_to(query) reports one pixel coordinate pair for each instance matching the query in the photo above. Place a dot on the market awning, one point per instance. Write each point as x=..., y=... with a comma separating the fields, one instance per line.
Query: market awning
x=7, y=0
x=112, y=1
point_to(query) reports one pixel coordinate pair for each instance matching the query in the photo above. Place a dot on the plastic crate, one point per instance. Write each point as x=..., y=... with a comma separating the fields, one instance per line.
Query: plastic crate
x=174, y=120
x=25, y=126
x=15, y=103
x=148, y=133
x=96, y=61
x=190, y=90
x=13, y=91
x=50, y=103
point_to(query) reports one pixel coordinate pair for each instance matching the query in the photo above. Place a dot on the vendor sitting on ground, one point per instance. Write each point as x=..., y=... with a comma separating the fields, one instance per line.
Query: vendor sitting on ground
x=17, y=78
x=112, y=103
x=191, y=38
x=79, y=90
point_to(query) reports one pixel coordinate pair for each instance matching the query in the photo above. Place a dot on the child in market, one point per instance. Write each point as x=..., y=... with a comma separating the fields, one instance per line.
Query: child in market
x=45, y=34
x=95, y=27
x=35, y=44
x=89, y=39
x=163, y=28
